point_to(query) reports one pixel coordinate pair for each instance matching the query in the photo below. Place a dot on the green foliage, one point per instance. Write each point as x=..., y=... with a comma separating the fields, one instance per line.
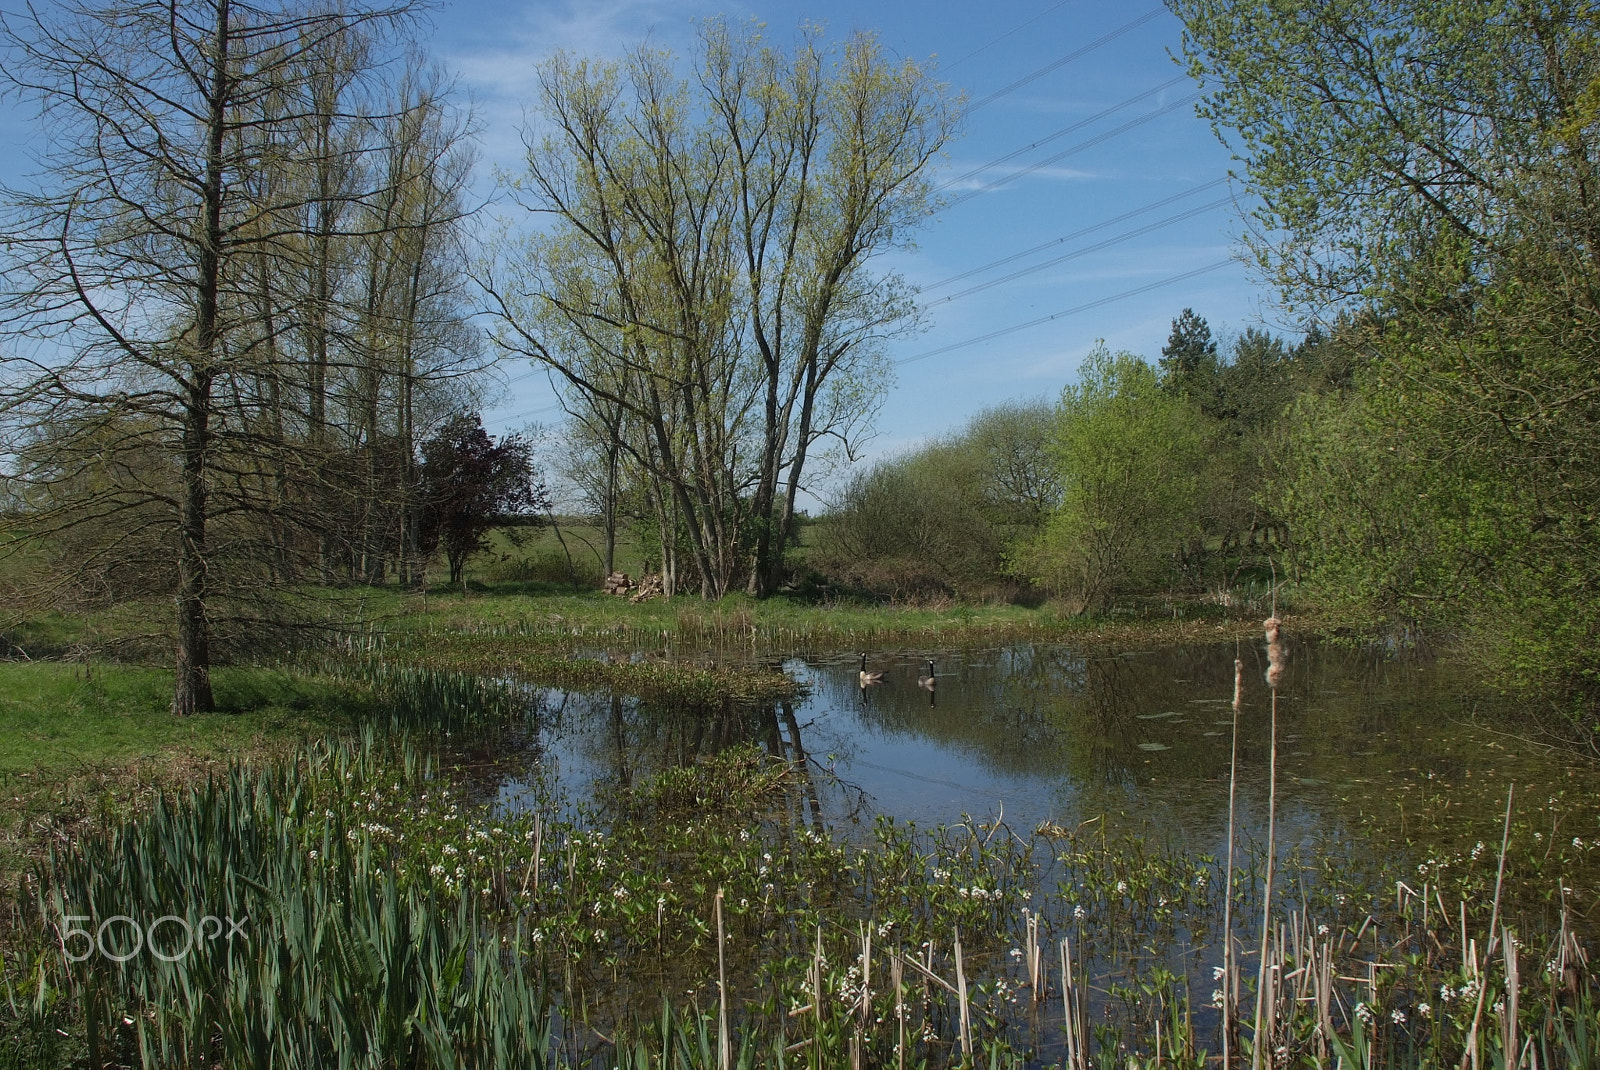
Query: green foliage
x=1133, y=459
x=1189, y=363
x=396, y=920
x=336, y=963
x=941, y=521
x=1431, y=167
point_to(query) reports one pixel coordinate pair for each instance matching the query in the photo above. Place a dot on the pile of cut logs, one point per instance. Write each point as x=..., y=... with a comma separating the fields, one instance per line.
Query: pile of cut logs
x=649, y=587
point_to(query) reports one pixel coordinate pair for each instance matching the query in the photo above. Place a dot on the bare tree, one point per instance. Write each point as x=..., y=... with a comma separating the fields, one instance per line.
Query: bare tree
x=198, y=153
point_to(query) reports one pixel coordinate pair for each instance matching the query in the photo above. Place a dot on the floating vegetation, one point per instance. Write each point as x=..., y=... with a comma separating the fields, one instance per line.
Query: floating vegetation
x=663, y=682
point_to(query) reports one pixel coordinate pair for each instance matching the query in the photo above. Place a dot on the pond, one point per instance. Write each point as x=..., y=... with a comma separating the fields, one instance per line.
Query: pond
x=1140, y=739
x=1109, y=773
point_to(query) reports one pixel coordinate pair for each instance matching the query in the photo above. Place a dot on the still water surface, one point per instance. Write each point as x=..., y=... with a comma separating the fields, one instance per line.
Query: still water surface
x=1138, y=738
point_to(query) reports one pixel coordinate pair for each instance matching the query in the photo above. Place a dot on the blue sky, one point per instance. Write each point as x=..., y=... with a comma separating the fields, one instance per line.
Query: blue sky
x=980, y=48
x=1080, y=181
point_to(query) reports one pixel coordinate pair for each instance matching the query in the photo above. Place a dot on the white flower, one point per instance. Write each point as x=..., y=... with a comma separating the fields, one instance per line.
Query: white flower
x=1122, y=887
x=1364, y=1013
x=1424, y=1011
x=1217, y=997
x=1397, y=1016
x=1322, y=930
x=1218, y=972
x=1078, y=913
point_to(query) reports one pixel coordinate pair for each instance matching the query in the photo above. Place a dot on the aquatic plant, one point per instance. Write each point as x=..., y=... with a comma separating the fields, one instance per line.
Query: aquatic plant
x=705, y=919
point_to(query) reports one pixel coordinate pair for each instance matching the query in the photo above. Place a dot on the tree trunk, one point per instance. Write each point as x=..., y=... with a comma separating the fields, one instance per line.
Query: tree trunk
x=192, y=684
x=192, y=688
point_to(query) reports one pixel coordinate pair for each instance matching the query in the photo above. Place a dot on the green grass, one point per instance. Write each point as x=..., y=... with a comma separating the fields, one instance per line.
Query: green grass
x=555, y=620
x=54, y=719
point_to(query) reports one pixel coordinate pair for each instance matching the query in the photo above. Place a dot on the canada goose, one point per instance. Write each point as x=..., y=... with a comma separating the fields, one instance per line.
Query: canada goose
x=869, y=678
x=930, y=681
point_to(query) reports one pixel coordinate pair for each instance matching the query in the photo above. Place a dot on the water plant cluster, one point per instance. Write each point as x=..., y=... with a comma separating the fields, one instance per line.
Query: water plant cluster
x=399, y=915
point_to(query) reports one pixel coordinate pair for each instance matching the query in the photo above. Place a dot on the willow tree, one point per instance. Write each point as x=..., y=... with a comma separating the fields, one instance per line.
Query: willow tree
x=712, y=264
x=131, y=391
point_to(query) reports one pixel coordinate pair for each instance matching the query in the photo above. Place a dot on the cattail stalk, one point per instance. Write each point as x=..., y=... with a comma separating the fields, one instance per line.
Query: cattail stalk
x=1275, y=668
x=1227, y=878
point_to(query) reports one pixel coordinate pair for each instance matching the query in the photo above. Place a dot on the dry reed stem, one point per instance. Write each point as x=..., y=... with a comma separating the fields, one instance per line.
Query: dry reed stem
x=1488, y=951
x=1272, y=815
x=724, y=1041
x=961, y=995
x=1228, y=970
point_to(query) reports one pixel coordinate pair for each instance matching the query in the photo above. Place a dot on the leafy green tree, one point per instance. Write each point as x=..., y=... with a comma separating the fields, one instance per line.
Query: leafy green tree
x=1132, y=459
x=712, y=267
x=1018, y=480
x=943, y=520
x=1429, y=170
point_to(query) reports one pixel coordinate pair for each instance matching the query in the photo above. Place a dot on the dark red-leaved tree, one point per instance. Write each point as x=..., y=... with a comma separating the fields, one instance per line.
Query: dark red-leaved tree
x=471, y=483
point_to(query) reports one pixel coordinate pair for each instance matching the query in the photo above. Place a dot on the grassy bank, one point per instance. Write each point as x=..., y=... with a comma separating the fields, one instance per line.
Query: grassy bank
x=557, y=619
x=83, y=744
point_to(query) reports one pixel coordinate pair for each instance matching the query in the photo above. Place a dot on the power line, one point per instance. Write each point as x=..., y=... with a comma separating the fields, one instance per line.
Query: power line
x=1085, y=307
x=1123, y=218
x=1087, y=249
x=531, y=412
x=1008, y=33
x=1105, y=39
x=1075, y=149
x=1063, y=132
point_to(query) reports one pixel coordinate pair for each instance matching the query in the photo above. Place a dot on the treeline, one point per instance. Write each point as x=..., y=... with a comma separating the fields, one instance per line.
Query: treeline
x=1425, y=186
x=240, y=359
x=1430, y=168
x=1142, y=478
